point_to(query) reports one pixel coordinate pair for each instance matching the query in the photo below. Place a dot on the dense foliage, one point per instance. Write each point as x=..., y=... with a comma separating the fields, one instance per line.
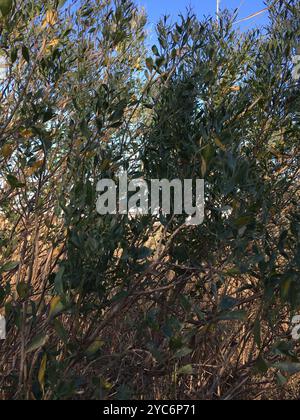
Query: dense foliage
x=113, y=307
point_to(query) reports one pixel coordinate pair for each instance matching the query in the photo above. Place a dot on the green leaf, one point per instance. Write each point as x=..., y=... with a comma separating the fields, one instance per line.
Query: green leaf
x=58, y=282
x=38, y=342
x=227, y=303
x=124, y=393
x=149, y=64
x=208, y=153
x=14, y=55
x=185, y=351
x=283, y=348
x=232, y=272
x=155, y=50
x=290, y=368
x=94, y=348
x=186, y=370
x=6, y=7
x=233, y=316
x=185, y=303
x=14, y=182
x=2, y=295
x=23, y=290
x=10, y=266
x=25, y=53
x=118, y=111
x=42, y=372
x=281, y=380
x=144, y=253
x=119, y=296
x=62, y=3
x=159, y=62
x=84, y=128
x=243, y=221
x=220, y=144
x=286, y=287
x=60, y=330
x=257, y=333
x=56, y=306
x=261, y=365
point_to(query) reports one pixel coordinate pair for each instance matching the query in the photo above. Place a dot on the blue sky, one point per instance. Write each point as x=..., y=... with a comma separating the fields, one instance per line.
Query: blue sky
x=156, y=8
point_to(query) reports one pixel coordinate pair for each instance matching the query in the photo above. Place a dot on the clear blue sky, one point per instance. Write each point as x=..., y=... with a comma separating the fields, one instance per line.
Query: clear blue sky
x=156, y=8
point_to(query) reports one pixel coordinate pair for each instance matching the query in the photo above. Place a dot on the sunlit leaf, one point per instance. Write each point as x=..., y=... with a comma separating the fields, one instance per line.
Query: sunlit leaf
x=56, y=306
x=186, y=370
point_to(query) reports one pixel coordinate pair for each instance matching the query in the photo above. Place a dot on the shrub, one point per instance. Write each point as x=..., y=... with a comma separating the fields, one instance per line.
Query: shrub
x=113, y=307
